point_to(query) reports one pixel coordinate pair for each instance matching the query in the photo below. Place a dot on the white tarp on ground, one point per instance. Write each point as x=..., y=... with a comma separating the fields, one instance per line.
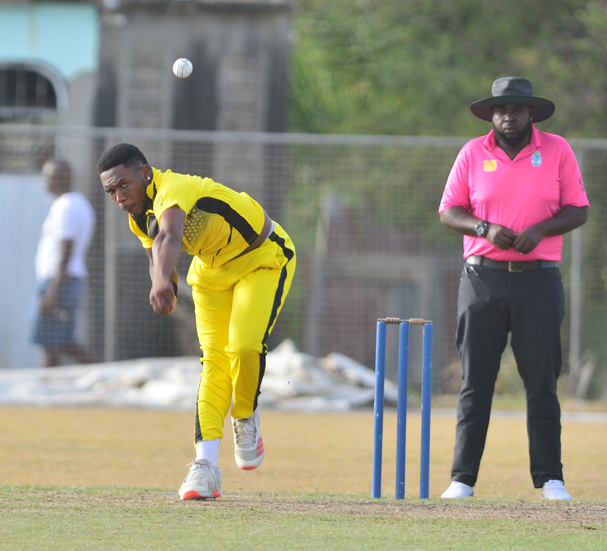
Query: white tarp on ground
x=293, y=381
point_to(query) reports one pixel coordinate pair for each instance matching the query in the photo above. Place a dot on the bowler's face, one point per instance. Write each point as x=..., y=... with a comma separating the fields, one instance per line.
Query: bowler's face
x=127, y=188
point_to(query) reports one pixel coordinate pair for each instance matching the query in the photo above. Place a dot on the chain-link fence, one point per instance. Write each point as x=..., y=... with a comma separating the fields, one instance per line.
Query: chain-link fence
x=362, y=211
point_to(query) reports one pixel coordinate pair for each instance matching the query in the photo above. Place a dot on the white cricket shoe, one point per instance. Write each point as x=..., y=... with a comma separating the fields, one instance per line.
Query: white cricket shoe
x=248, y=443
x=555, y=489
x=202, y=482
x=458, y=490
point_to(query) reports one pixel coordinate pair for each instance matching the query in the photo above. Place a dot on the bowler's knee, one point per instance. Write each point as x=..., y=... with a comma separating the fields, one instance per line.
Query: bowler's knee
x=244, y=349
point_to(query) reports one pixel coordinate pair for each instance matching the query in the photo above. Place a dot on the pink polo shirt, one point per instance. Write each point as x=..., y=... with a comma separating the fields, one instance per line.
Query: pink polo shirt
x=540, y=180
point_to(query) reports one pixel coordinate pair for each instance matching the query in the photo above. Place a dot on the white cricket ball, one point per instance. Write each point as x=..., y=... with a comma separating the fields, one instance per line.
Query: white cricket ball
x=182, y=67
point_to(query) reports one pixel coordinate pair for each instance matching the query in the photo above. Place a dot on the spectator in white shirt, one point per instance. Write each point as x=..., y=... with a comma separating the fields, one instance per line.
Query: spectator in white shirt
x=61, y=266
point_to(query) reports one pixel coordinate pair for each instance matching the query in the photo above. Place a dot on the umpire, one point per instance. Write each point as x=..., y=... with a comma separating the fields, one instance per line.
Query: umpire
x=512, y=194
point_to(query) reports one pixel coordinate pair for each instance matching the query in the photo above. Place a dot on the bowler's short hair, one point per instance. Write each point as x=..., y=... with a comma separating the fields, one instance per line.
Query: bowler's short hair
x=124, y=154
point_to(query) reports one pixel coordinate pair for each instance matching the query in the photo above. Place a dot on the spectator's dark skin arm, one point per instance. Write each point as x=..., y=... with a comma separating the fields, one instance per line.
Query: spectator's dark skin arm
x=49, y=300
x=565, y=220
x=163, y=256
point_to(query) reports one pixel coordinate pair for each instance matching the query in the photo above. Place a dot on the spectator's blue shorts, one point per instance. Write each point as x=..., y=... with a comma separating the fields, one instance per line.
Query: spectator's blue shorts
x=58, y=328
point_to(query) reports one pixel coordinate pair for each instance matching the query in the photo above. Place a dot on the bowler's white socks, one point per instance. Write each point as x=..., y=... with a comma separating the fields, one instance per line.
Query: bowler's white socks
x=207, y=451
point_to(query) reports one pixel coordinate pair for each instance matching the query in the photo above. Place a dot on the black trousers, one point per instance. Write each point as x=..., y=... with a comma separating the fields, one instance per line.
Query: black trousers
x=530, y=306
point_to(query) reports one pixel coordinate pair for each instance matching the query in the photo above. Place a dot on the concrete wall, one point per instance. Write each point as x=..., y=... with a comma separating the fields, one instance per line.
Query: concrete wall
x=240, y=54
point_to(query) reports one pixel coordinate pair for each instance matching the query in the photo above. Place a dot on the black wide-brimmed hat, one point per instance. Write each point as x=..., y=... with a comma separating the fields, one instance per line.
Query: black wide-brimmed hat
x=512, y=90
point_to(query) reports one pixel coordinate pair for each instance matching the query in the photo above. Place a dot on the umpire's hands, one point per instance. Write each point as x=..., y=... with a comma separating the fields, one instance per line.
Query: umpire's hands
x=500, y=236
x=523, y=242
x=527, y=240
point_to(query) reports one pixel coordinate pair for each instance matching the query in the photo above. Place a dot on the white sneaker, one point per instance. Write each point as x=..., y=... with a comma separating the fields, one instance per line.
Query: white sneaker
x=202, y=482
x=248, y=443
x=458, y=490
x=555, y=489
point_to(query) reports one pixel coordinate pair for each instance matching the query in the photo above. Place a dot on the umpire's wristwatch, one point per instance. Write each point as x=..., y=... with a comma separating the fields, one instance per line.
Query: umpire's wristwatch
x=481, y=228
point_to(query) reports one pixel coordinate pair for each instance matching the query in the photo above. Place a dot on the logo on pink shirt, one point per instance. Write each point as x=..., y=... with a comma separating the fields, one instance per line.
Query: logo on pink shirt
x=490, y=166
x=536, y=159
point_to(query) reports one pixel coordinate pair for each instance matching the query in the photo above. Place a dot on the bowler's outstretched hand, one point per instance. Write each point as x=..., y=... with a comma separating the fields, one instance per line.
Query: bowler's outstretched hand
x=162, y=297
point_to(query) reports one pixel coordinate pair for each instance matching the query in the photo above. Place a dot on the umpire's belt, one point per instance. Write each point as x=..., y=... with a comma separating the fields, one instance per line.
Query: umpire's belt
x=522, y=266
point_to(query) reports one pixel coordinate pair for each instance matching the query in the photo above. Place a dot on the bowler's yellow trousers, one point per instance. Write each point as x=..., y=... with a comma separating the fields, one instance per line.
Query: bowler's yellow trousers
x=236, y=307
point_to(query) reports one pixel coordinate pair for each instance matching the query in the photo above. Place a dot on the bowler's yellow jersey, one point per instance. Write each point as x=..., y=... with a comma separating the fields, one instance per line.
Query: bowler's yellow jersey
x=220, y=222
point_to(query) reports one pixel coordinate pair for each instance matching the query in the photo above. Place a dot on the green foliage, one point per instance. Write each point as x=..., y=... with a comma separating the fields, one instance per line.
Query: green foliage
x=393, y=187
x=391, y=67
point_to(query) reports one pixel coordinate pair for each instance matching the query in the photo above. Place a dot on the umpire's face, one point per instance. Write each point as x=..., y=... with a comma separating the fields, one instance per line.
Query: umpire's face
x=127, y=188
x=511, y=119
